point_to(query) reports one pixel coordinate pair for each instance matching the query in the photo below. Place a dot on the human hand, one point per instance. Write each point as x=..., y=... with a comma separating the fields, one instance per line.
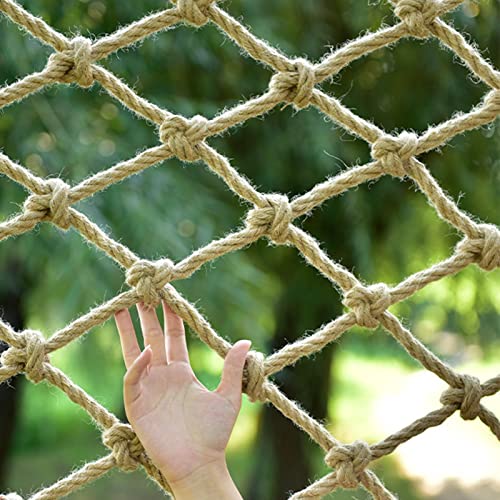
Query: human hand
x=183, y=426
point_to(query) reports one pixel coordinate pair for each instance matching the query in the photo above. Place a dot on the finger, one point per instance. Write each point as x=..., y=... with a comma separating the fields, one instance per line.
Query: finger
x=232, y=374
x=152, y=333
x=131, y=386
x=175, y=335
x=128, y=340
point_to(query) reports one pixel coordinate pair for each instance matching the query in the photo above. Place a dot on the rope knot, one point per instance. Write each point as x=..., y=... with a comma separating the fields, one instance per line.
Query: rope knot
x=183, y=135
x=125, y=445
x=485, y=248
x=395, y=151
x=297, y=85
x=29, y=356
x=194, y=11
x=255, y=376
x=273, y=219
x=418, y=16
x=149, y=277
x=53, y=205
x=468, y=397
x=74, y=65
x=368, y=303
x=350, y=461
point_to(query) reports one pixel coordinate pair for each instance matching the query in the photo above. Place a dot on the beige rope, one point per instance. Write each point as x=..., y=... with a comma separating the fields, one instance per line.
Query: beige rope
x=271, y=215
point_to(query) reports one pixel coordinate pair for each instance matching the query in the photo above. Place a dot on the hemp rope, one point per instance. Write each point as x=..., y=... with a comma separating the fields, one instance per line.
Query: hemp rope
x=294, y=82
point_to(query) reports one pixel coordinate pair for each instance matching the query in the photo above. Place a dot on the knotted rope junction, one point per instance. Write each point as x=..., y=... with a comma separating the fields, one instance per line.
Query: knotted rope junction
x=296, y=82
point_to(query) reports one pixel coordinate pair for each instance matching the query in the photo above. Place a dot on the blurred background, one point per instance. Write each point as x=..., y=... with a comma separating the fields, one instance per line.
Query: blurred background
x=364, y=386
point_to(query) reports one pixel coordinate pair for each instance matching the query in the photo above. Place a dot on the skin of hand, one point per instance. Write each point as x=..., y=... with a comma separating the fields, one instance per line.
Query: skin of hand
x=182, y=425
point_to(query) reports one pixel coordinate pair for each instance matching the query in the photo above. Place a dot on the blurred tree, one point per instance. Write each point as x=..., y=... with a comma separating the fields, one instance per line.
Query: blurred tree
x=383, y=231
x=11, y=299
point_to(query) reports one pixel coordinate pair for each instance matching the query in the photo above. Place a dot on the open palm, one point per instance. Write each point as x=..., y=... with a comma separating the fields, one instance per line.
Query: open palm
x=182, y=425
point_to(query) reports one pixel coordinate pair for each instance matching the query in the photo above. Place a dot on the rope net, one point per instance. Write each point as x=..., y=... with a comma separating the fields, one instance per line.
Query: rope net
x=295, y=82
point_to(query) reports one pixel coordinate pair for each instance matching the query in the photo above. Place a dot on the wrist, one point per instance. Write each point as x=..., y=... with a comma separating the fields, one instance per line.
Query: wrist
x=208, y=482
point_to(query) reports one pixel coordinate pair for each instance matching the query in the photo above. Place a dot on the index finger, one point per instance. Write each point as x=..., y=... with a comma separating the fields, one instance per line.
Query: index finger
x=175, y=336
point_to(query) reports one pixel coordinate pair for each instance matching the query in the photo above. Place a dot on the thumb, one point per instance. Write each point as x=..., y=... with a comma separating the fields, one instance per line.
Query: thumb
x=231, y=383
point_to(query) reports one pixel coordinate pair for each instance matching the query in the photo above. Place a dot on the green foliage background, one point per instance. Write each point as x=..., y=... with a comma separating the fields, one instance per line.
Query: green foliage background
x=384, y=230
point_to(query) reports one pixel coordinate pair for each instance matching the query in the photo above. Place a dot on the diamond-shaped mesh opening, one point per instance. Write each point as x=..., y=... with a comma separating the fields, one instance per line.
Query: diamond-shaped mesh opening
x=273, y=216
x=401, y=64
x=217, y=77
x=316, y=153
x=371, y=242
x=55, y=144
x=180, y=228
